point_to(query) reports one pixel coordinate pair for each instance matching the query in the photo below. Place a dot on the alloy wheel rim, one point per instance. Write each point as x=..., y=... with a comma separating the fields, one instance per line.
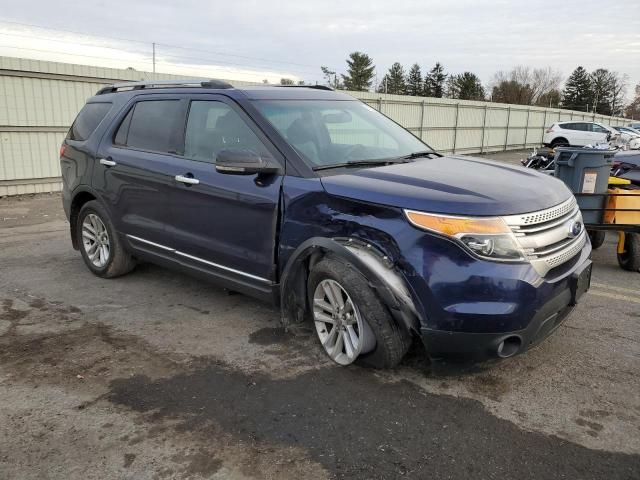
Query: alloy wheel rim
x=340, y=327
x=95, y=240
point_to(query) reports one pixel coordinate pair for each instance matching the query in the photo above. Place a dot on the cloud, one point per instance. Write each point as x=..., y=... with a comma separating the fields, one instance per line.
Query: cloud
x=294, y=38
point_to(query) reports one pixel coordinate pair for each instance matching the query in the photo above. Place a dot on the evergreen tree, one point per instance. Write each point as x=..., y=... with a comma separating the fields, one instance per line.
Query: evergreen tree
x=414, y=81
x=466, y=86
x=434, y=82
x=577, y=93
x=360, y=69
x=393, y=81
x=602, y=86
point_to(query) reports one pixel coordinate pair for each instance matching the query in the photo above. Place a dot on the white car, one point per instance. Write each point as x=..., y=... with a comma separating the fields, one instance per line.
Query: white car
x=629, y=136
x=577, y=134
x=627, y=133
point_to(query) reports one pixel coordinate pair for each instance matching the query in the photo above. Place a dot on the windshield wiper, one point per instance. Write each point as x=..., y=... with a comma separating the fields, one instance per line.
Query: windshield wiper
x=415, y=155
x=360, y=163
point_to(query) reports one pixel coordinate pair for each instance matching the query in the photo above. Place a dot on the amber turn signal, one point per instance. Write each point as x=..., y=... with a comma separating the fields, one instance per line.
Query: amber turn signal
x=453, y=226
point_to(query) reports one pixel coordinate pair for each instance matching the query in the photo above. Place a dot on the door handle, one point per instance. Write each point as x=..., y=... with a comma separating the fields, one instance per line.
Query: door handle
x=187, y=180
x=107, y=163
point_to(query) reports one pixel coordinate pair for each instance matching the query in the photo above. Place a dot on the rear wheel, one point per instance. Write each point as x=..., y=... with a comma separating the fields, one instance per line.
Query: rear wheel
x=100, y=246
x=351, y=322
x=597, y=238
x=559, y=142
x=629, y=259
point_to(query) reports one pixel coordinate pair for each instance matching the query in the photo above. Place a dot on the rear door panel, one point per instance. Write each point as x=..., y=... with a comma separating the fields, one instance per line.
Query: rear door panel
x=136, y=189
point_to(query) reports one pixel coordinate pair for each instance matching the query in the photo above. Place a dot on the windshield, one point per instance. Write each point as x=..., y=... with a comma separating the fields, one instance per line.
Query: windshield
x=330, y=132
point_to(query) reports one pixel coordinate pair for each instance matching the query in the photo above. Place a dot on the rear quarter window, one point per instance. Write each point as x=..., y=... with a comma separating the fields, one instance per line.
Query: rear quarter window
x=88, y=120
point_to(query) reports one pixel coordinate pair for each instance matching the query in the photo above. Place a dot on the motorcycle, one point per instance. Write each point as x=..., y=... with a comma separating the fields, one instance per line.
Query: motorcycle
x=540, y=159
x=626, y=164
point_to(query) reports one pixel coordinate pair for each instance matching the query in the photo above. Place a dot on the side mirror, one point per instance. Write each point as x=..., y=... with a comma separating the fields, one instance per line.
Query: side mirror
x=243, y=162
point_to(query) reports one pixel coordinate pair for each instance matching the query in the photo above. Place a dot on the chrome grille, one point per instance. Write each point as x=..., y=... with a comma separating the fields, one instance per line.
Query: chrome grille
x=546, y=236
x=545, y=215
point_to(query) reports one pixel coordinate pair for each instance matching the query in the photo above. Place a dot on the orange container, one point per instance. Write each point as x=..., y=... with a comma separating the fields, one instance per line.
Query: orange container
x=631, y=202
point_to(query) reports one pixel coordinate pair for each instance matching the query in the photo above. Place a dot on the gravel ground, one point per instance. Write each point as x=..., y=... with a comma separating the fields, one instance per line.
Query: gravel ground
x=157, y=375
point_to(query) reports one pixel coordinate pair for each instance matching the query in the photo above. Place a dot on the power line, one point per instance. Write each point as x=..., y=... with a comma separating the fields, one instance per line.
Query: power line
x=72, y=42
x=156, y=54
x=148, y=62
x=163, y=44
x=72, y=31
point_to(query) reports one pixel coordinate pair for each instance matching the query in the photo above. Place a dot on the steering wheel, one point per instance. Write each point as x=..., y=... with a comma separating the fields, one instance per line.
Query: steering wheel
x=351, y=150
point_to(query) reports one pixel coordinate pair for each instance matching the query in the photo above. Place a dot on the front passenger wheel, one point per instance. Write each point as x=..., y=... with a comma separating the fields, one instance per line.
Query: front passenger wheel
x=351, y=322
x=101, y=248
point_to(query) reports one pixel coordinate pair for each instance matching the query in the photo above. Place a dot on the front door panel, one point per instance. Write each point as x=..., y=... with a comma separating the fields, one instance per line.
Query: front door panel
x=225, y=222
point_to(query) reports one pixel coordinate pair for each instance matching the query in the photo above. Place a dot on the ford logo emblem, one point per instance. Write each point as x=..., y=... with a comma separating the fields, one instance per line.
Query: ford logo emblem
x=575, y=229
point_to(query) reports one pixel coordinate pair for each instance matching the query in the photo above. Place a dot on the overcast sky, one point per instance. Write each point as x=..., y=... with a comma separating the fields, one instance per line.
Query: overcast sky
x=270, y=39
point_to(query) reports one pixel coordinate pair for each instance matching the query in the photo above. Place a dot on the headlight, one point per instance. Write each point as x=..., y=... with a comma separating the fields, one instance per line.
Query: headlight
x=486, y=237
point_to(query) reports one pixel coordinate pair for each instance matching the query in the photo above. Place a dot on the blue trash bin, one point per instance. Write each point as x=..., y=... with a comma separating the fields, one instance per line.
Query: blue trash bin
x=586, y=171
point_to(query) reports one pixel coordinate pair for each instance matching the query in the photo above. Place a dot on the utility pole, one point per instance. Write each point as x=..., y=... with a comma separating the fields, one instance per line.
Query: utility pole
x=154, y=57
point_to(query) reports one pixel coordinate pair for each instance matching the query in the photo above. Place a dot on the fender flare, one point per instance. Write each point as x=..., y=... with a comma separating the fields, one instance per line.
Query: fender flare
x=79, y=190
x=293, y=284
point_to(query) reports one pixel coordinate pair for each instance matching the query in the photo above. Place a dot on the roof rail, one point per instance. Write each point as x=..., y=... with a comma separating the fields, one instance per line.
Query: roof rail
x=163, y=84
x=315, y=87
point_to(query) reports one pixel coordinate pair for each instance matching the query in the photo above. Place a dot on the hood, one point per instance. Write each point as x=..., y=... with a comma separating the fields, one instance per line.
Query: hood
x=453, y=185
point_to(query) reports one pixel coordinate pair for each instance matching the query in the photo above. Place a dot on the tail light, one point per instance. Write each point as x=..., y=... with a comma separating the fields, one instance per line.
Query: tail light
x=549, y=130
x=63, y=148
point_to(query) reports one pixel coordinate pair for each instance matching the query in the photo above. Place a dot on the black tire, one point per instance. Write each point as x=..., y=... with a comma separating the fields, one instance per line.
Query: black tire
x=119, y=261
x=597, y=238
x=630, y=259
x=392, y=340
x=559, y=142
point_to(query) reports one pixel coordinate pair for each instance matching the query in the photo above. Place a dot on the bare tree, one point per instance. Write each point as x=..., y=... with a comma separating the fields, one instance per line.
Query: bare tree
x=618, y=92
x=330, y=77
x=544, y=81
x=633, y=109
x=522, y=85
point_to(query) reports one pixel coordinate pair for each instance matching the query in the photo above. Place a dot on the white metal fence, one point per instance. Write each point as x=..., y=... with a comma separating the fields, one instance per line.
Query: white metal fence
x=461, y=126
x=39, y=100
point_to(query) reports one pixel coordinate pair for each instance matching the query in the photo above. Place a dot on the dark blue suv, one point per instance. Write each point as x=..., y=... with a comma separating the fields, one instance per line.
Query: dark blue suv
x=316, y=202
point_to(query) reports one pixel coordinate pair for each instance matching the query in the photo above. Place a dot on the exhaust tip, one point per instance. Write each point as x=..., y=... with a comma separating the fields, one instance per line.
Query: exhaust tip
x=509, y=347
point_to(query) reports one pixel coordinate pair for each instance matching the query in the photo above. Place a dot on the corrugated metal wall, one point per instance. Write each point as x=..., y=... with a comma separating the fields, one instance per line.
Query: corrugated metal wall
x=39, y=100
x=471, y=127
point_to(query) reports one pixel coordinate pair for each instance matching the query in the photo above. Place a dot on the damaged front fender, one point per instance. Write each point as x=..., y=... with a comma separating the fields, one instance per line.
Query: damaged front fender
x=373, y=264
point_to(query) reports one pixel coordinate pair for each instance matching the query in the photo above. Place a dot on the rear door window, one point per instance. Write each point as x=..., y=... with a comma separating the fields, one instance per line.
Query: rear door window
x=580, y=126
x=151, y=125
x=88, y=120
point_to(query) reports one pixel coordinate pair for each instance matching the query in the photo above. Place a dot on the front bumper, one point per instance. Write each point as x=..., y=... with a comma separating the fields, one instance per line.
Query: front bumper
x=469, y=306
x=490, y=345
